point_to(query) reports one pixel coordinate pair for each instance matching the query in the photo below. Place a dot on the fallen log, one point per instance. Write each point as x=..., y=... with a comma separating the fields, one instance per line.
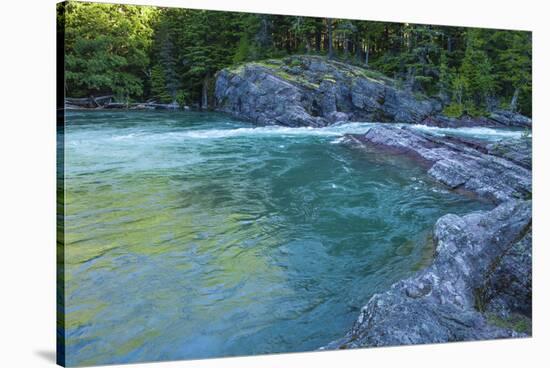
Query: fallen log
x=106, y=102
x=116, y=105
x=89, y=102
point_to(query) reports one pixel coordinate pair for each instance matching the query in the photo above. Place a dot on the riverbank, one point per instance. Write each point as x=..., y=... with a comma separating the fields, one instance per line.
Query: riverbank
x=479, y=284
x=109, y=103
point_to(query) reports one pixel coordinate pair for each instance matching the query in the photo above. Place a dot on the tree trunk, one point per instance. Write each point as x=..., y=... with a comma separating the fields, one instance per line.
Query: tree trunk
x=204, y=102
x=329, y=32
x=346, y=46
x=263, y=34
x=318, y=40
x=367, y=55
x=514, y=102
x=358, y=48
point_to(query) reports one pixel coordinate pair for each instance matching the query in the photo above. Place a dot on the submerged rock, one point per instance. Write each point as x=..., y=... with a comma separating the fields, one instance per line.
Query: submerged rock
x=314, y=91
x=466, y=165
x=477, y=259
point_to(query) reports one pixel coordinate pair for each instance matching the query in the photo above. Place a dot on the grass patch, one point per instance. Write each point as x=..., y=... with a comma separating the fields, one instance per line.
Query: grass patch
x=277, y=65
x=516, y=322
x=329, y=78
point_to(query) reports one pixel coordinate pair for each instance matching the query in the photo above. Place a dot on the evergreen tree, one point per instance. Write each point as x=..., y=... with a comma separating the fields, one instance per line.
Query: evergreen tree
x=445, y=77
x=158, y=85
x=173, y=54
x=476, y=71
x=107, y=48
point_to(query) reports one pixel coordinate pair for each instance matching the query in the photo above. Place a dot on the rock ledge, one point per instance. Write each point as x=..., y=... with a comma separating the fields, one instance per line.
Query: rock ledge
x=479, y=284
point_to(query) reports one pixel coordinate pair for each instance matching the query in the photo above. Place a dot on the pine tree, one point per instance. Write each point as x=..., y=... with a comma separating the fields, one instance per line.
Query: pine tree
x=173, y=54
x=476, y=71
x=107, y=48
x=158, y=85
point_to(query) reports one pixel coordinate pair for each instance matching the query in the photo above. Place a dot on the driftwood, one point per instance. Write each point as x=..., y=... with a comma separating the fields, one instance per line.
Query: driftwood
x=153, y=105
x=142, y=106
x=107, y=102
x=89, y=102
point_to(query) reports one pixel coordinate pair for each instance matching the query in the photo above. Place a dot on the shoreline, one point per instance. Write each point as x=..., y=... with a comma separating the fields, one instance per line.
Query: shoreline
x=478, y=285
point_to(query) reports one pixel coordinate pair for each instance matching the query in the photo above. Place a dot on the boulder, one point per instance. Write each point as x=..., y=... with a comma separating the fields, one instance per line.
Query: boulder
x=314, y=91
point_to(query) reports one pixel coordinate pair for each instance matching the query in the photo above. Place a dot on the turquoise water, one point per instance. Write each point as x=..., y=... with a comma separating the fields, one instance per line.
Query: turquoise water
x=192, y=235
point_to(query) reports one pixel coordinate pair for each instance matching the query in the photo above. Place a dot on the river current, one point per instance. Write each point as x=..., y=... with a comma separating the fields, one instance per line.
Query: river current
x=193, y=235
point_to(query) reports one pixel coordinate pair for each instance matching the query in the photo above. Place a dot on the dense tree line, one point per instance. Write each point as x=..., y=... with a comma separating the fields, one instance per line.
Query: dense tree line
x=168, y=54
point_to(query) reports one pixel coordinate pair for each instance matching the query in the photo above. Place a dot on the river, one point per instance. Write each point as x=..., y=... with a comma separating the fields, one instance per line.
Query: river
x=193, y=235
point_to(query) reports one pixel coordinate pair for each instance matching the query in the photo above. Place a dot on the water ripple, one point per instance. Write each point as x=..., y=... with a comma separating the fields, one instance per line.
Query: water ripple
x=194, y=235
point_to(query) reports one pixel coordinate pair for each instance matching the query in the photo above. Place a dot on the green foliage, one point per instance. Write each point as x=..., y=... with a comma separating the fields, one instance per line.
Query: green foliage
x=138, y=51
x=205, y=42
x=181, y=98
x=107, y=48
x=516, y=322
x=445, y=82
x=158, y=85
x=458, y=88
x=453, y=110
x=476, y=72
x=512, y=56
x=295, y=63
x=243, y=50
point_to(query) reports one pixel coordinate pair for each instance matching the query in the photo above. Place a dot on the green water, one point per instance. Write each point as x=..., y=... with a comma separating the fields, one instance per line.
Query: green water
x=192, y=235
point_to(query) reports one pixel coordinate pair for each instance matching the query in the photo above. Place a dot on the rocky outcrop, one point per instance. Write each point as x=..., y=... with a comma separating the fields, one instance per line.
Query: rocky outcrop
x=507, y=288
x=460, y=164
x=518, y=151
x=314, y=91
x=479, y=284
x=461, y=122
x=443, y=303
x=497, y=119
x=509, y=118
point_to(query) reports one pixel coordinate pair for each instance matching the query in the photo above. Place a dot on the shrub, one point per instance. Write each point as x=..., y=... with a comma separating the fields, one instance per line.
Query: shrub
x=453, y=110
x=181, y=98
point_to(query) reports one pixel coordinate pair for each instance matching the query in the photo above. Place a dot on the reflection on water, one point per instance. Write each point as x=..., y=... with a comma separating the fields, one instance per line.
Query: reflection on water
x=192, y=235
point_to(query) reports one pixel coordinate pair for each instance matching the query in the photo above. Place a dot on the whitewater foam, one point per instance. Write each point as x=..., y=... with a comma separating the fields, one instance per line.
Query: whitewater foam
x=336, y=131
x=265, y=131
x=475, y=132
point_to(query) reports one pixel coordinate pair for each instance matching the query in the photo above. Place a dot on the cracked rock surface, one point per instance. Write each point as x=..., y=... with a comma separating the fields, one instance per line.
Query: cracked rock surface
x=479, y=284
